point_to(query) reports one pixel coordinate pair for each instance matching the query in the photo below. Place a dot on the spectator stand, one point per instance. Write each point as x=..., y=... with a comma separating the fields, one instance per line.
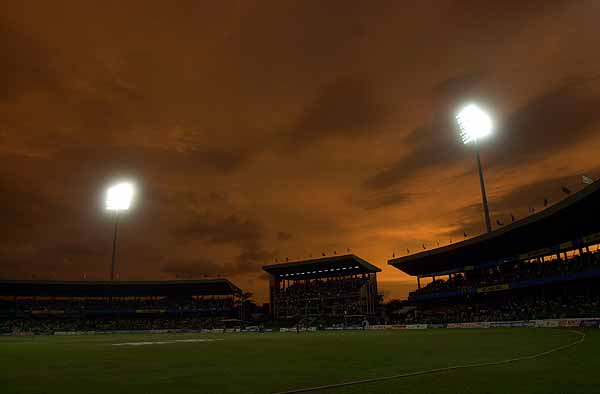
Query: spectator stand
x=332, y=288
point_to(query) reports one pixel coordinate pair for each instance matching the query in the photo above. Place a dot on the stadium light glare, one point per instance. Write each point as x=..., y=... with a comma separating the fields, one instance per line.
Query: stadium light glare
x=474, y=123
x=119, y=196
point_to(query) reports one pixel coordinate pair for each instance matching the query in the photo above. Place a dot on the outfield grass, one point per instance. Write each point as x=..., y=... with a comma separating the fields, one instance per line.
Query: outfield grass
x=272, y=362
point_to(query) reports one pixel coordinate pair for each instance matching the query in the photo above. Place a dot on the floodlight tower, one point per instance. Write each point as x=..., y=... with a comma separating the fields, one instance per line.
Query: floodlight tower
x=118, y=198
x=475, y=124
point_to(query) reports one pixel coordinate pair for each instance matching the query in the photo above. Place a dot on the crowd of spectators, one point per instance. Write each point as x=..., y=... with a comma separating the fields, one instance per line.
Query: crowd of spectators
x=508, y=307
x=45, y=314
x=38, y=325
x=333, y=297
x=514, y=272
x=75, y=305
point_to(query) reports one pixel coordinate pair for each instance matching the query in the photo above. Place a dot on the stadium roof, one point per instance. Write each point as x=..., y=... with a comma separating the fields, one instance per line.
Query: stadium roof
x=118, y=288
x=322, y=267
x=569, y=220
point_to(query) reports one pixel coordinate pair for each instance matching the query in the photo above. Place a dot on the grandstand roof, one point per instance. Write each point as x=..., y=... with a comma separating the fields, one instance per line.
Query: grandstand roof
x=569, y=220
x=323, y=267
x=118, y=288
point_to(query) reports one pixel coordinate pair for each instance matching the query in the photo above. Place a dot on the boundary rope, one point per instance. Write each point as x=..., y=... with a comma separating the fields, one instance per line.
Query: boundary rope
x=438, y=370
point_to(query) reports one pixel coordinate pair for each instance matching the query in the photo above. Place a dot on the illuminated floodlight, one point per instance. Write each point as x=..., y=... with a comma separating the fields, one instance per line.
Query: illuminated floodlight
x=119, y=196
x=473, y=123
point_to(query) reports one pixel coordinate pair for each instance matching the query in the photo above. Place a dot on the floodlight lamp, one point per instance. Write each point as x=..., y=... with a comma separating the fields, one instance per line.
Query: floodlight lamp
x=473, y=123
x=119, y=196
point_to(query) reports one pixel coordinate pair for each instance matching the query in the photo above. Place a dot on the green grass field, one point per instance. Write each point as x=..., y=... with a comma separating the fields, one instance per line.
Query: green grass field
x=273, y=362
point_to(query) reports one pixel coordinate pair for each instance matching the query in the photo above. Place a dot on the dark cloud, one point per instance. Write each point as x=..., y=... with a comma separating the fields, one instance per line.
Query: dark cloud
x=377, y=200
x=252, y=258
x=306, y=42
x=547, y=124
x=76, y=249
x=248, y=261
x=233, y=230
x=26, y=65
x=284, y=236
x=193, y=268
x=230, y=229
x=451, y=90
x=28, y=210
x=345, y=107
x=113, y=159
x=551, y=122
x=218, y=196
x=425, y=152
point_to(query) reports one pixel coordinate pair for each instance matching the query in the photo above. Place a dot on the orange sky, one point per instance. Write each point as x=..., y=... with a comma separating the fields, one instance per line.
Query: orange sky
x=274, y=129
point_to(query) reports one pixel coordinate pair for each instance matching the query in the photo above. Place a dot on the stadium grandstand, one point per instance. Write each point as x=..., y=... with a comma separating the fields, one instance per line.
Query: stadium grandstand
x=329, y=289
x=542, y=267
x=53, y=306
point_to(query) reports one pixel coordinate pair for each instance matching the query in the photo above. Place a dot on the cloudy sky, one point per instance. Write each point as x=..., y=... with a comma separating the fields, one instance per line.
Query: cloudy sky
x=260, y=130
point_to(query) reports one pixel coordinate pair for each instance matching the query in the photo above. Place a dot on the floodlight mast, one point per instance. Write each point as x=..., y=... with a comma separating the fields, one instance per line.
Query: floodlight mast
x=486, y=209
x=475, y=124
x=118, y=198
x=114, y=247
